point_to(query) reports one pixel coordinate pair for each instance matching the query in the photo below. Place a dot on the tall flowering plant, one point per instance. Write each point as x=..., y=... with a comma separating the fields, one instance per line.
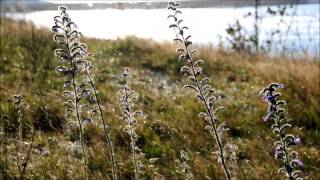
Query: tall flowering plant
x=200, y=85
x=291, y=164
x=80, y=90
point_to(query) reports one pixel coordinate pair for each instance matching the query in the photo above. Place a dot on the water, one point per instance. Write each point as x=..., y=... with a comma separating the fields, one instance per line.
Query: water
x=207, y=25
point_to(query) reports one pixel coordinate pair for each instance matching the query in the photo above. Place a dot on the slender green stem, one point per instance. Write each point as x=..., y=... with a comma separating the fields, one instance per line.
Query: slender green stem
x=106, y=132
x=28, y=155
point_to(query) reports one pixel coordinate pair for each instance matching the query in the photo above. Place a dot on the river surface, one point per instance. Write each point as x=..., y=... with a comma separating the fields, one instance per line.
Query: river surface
x=298, y=32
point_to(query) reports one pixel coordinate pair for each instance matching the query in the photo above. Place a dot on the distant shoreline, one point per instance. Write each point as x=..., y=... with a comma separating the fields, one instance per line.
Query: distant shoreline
x=11, y=6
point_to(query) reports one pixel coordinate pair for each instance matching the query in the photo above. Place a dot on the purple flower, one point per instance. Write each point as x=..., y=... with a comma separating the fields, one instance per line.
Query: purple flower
x=269, y=98
x=297, y=162
x=82, y=52
x=296, y=140
x=265, y=98
x=280, y=85
x=266, y=118
x=86, y=121
x=85, y=93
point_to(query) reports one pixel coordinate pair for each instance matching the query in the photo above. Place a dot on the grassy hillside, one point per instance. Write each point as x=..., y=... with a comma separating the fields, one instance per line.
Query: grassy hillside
x=171, y=121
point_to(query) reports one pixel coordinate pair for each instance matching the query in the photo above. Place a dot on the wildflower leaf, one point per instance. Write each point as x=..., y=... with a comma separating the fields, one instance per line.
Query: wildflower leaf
x=71, y=25
x=76, y=54
x=296, y=173
x=289, y=138
x=280, y=110
x=198, y=62
x=57, y=19
x=212, y=99
x=203, y=114
x=283, y=127
x=276, y=131
x=177, y=12
x=274, y=126
x=198, y=96
x=139, y=113
x=67, y=94
x=57, y=29
x=282, y=170
x=173, y=26
x=190, y=87
x=280, y=102
x=208, y=128
x=192, y=78
x=219, y=109
x=184, y=27
x=59, y=38
x=188, y=43
x=182, y=57
x=83, y=85
x=80, y=48
x=172, y=8
x=278, y=143
x=61, y=69
x=180, y=50
x=73, y=33
x=206, y=87
x=221, y=128
x=188, y=37
x=171, y=16
x=186, y=69
x=198, y=71
x=178, y=39
x=60, y=52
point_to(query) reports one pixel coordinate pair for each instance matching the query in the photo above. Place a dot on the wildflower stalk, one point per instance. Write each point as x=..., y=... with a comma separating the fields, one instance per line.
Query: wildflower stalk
x=22, y=166
x=200, y=86
x=126, y=101
x=276, y=113
x=70, y=55
x=75, y=55
x=18, y=110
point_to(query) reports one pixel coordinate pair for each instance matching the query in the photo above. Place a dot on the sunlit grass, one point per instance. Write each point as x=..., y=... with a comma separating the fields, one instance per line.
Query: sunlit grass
x=172, y=120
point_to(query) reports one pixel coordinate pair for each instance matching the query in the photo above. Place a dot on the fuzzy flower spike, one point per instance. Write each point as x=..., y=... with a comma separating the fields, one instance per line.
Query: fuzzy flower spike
x=200, y=85
x=291, y=165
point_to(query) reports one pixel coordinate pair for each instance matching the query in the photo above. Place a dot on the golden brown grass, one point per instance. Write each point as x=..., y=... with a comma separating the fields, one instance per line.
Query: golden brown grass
x=236, y=78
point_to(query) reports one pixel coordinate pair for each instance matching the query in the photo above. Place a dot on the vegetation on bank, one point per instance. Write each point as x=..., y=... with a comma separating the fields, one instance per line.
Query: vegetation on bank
x=170, y=122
